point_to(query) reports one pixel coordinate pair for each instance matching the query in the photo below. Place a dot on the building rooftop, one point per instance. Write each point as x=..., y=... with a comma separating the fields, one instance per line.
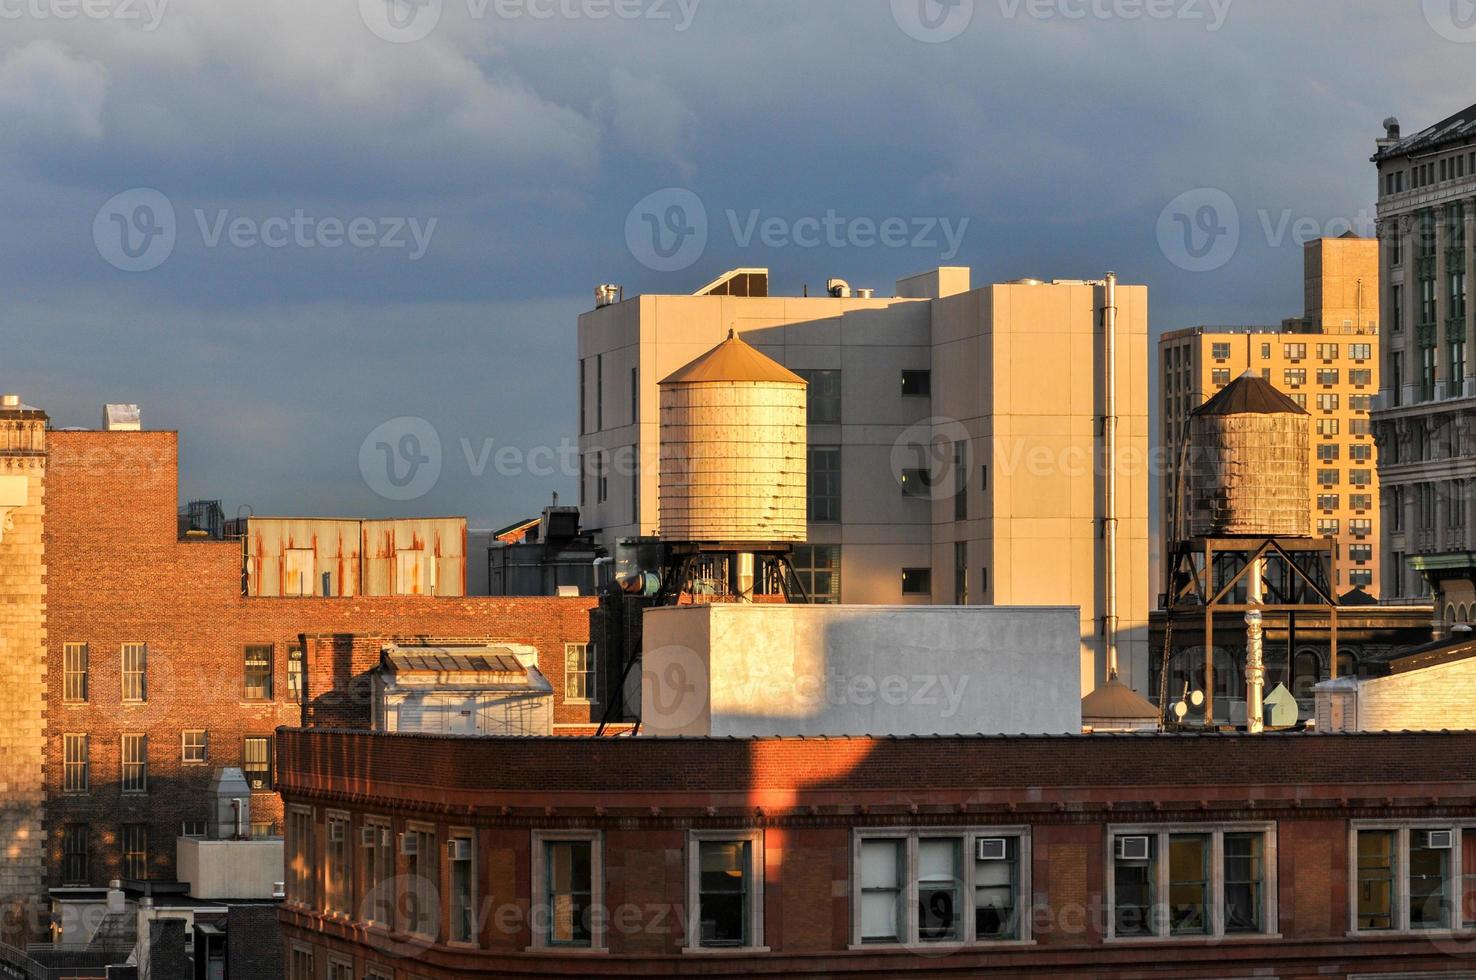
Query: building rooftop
x=1454, y=128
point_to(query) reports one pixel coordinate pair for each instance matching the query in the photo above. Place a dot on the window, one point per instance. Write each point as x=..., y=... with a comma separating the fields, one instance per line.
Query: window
x=300, y=964
x=1360, y=501
x=960, y=573
x=1404, y=877
x=1328, y=478
x=818, y=568
x=75, y=763
x=301, y=860
x=1360, y=478
x=566, y=871
x=960, y=481
x=75, y=854
x=825, y=484
x=256, y=761
x=1327, y=376
x=1292, y=377
x=940, y=886
x=1219, y=351
x=579, y=673
x=1327, y=403
x=1360, y=427
x=599, y=392
x=917, y=581
x=1327, y=501
x=1265, y=352
x=1360, y=526
x=460, y=852
x=916, y=483
x=1220, y=376
x=135, y=763
x=377, y=869
x=1327, y=352
x=134, y=841
x=193, y=747
x=1360, y=552
x=337, y=864
x=917, y=384
x=194, y=828
x=1327, y=427
x=135, y=672
x=1192, y=881
x=1396, y=297
x=1327, y=451
x=295, y=664
x=725, y=888
x=339, y=970
x=422, y=864
x=1326, y=527
x=1360, y=451
x=1360, y=576
x=74, y=671
x=1294, y=352
x=823, y=397
x=1360, y=377
x=1359, y=403
x=1360, y=352
x=635, y=396
x=259, y=672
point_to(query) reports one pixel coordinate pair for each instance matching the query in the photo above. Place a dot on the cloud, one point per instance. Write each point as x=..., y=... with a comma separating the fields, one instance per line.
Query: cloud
x=47, y=93
x=650, y=119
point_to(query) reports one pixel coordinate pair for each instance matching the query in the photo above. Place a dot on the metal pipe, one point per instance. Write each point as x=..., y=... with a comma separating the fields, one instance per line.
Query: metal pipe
x=1109, y=440
x=1255, y=665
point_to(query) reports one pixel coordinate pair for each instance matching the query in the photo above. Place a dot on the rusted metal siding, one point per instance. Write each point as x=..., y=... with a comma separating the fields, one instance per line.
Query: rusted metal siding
x=421, y=556
x=316, y=546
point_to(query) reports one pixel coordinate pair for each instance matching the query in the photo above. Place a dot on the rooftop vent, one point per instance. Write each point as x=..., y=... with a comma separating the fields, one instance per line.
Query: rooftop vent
x=1391, y=128
x=838, y=288
x=608, y=294
x=10, y=401
x=121, y=418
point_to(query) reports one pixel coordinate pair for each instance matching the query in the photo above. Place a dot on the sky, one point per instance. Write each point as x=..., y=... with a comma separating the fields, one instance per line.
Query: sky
x=285, y=228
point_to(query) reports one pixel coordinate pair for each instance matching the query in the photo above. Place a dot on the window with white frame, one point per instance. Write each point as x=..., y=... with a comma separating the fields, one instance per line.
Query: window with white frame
x=940, y=886
x=725, y=885
x=567, y=874
x=1410, y=877
x=193, y=747
x=422, y=865
x=133, y=840
x=74, y=688
x=75, y=763
x=337, y=864
x=300, y=857
x=340, y=970
x=1191, y=881
x=377, y=861
x=579, y=672
x=461, y=856
x=135, y=757
x=300, y=964
x=135, y=669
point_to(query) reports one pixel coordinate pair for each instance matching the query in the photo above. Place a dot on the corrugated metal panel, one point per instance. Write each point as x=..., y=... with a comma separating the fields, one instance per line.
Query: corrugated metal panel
x=420, y=556
x=290, y=556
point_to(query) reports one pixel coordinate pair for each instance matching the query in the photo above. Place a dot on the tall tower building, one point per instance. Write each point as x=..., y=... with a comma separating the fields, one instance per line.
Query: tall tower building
x=1327, y=361
x=22, y=659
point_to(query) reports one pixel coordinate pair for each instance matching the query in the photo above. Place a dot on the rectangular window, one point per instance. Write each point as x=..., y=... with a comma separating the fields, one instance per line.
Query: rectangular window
x=1360, y=576
x=583, y=397
x=1328, y=478
x=338, y=864
x=74, y=686
x=1327, y=352
x=135, y=670
x=1360, y=352
x=825, y=484
x=635, y=396
x=823, y=397
x=1360, y=377
x=193, y=749
x=1292, y=377
x=1327, y=403
x=579, y=673
x=1219, y=351
x=1360, y=526
x=76, y=855
x=1396, y=297
x=1361, y=452
x=1360, y=501
x=1265, y=352
x=295, y=665
x=194, y=828
x=377, y=871
x=917, y=384
x=134, y=842
x=599, y=392
x=1429, y=878
x=300, y=965
x=75, y=763
x=1220, y=376
x=1326, y=527
x=1327, y=427
x=1294, y=352
x=916, y=483
x=1375, y=882
x=1360, y=552
x=1359, y=403
x=727, y=893
x=301, y=859
x=259, y=672
x=818, y=568
x=423, y=866
x=883, y=868
x=339, y=970
x=566, y=890
x=960, y=481
x=1328, y=451
x=1191, y=881
x=256, y=761
x=460, y=853
x=1327, y=376
x=135, y=763
x=1360, y=478
x=1360, y=427
x=939, y=905
x=917, y=581
x=960, y=573
x=1327, y=501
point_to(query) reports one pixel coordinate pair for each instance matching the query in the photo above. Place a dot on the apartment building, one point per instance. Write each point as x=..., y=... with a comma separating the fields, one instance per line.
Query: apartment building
x=955, y=441
x=1425, y=421
x=1327, y=360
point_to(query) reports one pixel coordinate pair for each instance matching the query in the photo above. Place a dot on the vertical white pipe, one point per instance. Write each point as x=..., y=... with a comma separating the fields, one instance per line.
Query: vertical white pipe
x=1109, y=439
x=1255, y=667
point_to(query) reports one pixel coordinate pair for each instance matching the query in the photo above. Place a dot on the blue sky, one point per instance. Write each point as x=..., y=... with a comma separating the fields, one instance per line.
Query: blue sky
x=515, y=136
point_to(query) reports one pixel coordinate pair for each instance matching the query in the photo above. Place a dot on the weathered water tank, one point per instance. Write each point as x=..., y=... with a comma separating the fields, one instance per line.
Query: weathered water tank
x=733, y=462
x=1249, y=463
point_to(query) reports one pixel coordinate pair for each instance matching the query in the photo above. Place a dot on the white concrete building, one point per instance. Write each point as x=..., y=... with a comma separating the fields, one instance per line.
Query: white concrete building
x=955, y=447
x=761, y=670
x=1429, y=688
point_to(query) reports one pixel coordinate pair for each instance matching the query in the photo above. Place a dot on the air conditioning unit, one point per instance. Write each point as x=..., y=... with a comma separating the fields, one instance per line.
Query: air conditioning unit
x=368, y=836
x=458, y=850
x=1439, y=840
x=991, y=849
x=279, y=889
x=409, y=845
x=1132, y=848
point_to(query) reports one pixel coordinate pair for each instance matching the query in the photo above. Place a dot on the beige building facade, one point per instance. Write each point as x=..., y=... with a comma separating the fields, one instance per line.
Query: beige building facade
x=955, y=451
x=1328, y=362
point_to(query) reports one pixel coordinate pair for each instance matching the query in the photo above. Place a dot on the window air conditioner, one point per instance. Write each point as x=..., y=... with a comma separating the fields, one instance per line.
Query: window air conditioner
x=459, y=850
x=279, y=889
x=990, y=849
x=1132, y=848
x=409, y=845
x=368, y=836
x=1439, y=840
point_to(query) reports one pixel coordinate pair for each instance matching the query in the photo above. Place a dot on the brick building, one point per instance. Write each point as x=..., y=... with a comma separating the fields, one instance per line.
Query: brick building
x=159, y=669
x=1104, y=856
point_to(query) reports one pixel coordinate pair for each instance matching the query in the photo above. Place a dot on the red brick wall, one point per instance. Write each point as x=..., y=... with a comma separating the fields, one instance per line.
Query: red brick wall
x=117, y=574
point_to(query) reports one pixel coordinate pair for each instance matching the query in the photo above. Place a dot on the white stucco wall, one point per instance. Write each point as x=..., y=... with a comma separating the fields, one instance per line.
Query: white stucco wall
x=1440, y=697
x=767, y=670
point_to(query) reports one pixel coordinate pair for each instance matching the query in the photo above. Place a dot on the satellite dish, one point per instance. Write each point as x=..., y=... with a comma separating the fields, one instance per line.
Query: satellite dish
x=1196, y=698
x=1180, y=710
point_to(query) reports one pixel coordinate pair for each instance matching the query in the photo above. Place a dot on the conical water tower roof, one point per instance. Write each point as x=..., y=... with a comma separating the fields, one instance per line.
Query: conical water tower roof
x=733, y=360
x=1249, y=394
